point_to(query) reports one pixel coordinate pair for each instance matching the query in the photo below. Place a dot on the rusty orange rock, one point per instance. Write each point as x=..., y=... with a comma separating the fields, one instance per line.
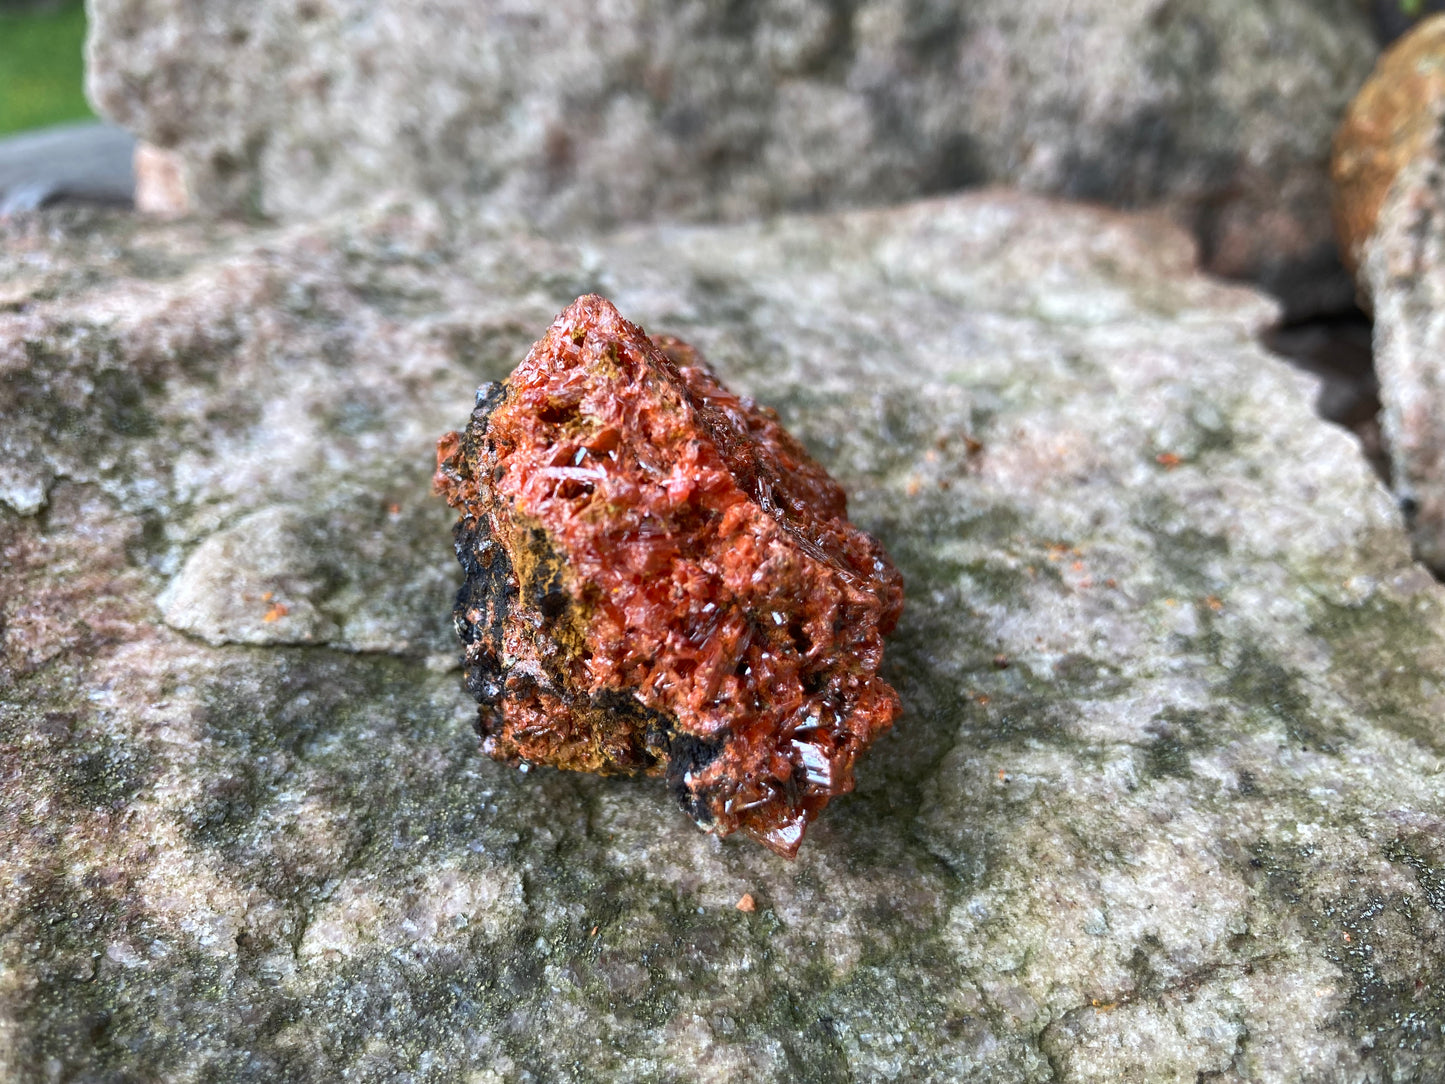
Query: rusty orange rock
x=1388, y=123
x=660, y=580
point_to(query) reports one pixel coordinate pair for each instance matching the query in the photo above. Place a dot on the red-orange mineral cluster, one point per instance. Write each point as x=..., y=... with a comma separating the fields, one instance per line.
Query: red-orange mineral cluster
x=659, y=579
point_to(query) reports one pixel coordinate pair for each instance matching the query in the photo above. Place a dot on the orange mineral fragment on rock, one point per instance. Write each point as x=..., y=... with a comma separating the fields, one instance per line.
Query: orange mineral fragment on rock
x=660, y=580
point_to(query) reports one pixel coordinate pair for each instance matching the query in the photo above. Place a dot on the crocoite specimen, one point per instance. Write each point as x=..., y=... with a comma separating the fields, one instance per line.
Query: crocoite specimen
x=659, y=579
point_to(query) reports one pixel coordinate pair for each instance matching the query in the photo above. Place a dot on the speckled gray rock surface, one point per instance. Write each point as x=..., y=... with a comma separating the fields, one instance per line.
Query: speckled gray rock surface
x=1164, y=803
x=578, y=113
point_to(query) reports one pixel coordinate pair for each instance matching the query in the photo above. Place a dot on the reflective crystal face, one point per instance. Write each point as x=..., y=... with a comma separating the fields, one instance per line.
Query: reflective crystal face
x=661, y=580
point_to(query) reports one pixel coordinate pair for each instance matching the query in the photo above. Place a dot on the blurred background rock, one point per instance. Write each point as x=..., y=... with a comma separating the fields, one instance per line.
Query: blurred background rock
x=569, y=117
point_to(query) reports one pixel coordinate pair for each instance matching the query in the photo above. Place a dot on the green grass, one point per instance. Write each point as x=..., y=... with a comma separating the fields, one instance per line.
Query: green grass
x=42, y=70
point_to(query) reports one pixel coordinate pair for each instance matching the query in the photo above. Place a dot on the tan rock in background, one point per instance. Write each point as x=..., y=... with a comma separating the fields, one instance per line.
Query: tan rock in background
x=1389, y=205
x=1388, y=125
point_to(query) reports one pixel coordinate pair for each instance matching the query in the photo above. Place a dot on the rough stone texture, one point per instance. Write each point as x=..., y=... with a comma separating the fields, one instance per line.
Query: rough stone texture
x=1388, y=124
x=1404, y=271
x=660, y=579
x=579, y=113
x=1164, y=802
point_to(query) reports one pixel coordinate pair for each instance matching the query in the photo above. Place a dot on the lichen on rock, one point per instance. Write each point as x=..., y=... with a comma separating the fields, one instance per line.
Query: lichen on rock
x=660, y=579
